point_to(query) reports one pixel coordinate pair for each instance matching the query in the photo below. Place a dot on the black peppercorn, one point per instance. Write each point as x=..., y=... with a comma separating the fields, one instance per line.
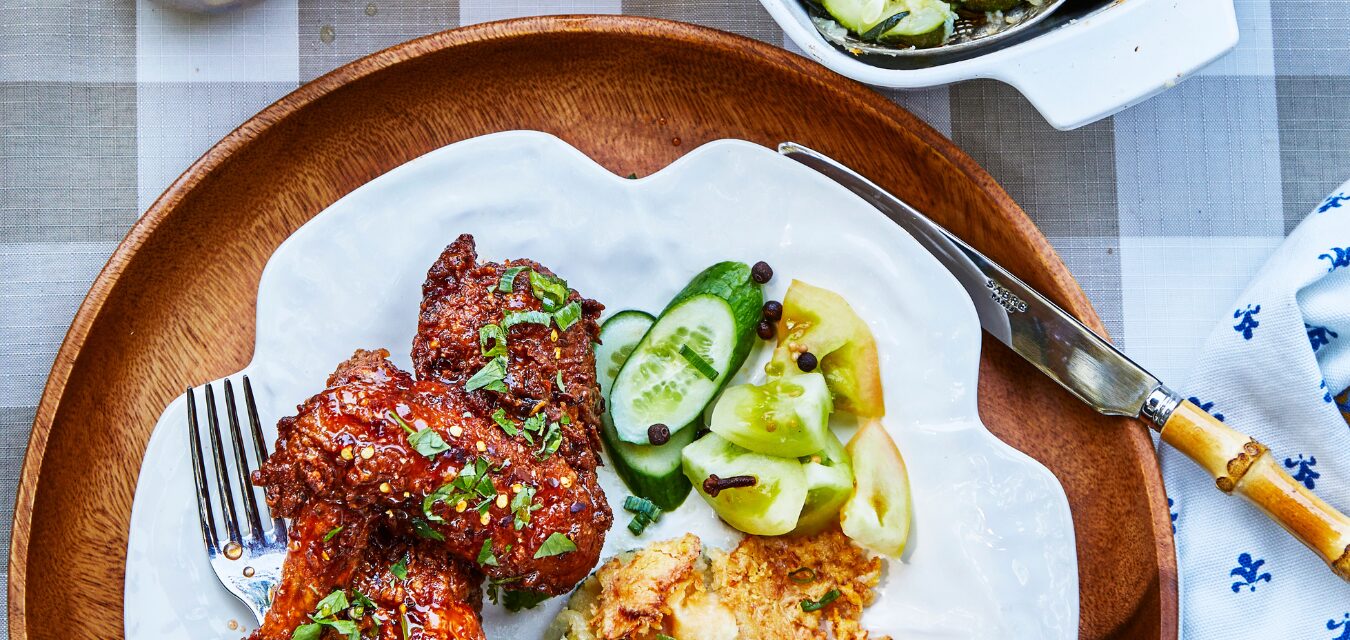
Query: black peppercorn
x=807, y=361
x=761, y=272
x=765, y=330
x=773, y=311
x=658, y=434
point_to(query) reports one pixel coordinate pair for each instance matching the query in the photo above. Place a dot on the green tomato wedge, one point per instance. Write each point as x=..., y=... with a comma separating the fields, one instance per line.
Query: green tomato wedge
x=768, y=508
x=651, y=472
x=878, y=513
x=829, y=483
x=917, y=23
x=787, y=416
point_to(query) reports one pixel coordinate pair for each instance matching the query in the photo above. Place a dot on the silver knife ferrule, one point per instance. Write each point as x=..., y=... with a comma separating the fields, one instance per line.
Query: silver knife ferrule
x=1159, y=405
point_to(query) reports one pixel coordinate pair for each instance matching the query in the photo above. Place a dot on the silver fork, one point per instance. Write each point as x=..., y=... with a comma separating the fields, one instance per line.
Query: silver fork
x=248, y=565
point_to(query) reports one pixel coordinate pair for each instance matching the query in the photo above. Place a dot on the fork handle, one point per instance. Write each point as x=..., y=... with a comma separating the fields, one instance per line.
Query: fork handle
x=1241, y=465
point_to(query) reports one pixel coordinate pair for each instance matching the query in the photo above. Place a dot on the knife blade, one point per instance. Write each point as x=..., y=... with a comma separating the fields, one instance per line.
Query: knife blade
x=1014, y=313
x=1090, y=368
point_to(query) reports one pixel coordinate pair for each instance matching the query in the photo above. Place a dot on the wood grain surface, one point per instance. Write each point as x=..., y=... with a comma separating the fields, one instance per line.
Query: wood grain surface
x=175, y=304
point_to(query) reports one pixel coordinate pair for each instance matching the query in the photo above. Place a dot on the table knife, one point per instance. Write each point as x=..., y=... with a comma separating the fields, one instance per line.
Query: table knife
x=1090, y=368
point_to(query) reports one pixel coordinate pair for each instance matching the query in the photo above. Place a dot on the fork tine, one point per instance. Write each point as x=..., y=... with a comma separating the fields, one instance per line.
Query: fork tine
x=222, y=476
x=204, y=514
x=260, y=448
x=241, y=465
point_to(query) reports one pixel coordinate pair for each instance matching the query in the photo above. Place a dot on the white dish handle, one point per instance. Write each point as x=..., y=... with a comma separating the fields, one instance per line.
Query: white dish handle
x=1079, y=74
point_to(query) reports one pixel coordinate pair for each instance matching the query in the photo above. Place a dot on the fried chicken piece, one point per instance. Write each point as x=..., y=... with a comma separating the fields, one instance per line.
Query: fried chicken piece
x=438, y=597
x=544, y=363
x=314, y=566
x=421, y=457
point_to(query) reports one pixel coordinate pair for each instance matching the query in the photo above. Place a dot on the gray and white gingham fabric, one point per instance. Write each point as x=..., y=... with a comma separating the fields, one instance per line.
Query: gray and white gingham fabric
x=1162, y=212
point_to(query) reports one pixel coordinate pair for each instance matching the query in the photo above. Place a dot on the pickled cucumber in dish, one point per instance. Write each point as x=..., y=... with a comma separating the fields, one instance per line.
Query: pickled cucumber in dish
x=904, y=23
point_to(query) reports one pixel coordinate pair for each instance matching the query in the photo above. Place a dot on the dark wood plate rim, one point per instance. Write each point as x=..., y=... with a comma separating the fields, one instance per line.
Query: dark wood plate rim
x=294, y=104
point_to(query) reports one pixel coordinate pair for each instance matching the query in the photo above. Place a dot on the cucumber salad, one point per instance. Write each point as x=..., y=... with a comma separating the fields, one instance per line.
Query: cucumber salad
x=919, y=24
x=763, y=455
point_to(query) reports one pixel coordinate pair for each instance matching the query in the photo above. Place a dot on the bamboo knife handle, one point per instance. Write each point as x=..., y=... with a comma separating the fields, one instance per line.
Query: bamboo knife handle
x=1241, y=465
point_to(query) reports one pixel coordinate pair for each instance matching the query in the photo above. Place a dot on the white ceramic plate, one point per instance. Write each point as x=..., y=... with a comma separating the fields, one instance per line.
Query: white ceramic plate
x=1079, y=73
x=992, y=550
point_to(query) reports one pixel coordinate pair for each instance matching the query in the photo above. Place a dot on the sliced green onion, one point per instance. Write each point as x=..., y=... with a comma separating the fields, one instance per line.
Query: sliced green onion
x=642, y=506
x=561, y=387
x=521, y=317
x=508, y=281
x=698, y=362
x=874, y=34
x=568, y=315
x=636, y=525
x=550, y=290
x=332, y=533
x=802, y=575
x=809, y=605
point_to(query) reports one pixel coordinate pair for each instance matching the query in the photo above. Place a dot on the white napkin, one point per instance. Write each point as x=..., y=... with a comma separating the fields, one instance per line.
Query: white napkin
x=1271, y=368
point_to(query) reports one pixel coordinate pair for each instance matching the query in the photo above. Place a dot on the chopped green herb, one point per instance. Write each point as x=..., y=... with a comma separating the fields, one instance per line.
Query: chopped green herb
x=424, y=530
x=400, y=568
x=638, y=524
x=523, y=317
x=508, y=281
x=522, y=505
x=360, y=605
x=802, y=575
x=516, y=600
x=556, y=544
x=490, y=376
x=551, y=441
x=311, y=631
x=494, y=334
x=495, y=587
x=331, y=604
x=473, y=484
x=508, y=425
x=698, y=362
x=332, y=533
x=562, y=388
x=568, y=315
x=809, y=605
x=428, y=442
x=550, y=290
x=399, y=419
x=485, y=555
x=632, y=176
x=662, y=636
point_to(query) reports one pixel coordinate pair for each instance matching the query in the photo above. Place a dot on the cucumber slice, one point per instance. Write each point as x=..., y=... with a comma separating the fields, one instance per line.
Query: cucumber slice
x=768, y=508
x=650, y=472
x=925, y=23
x=786, y=416
x=713, y=317
x=618, y=336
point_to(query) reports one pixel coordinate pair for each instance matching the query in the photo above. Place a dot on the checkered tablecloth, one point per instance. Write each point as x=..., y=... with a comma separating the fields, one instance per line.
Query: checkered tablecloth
x=1162, y=212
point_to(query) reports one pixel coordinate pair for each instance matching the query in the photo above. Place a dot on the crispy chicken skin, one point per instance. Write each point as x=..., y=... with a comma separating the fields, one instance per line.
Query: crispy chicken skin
x=461, y=295
x=345, y=447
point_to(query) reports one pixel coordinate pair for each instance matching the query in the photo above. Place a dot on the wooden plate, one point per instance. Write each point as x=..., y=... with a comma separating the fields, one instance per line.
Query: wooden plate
x=175, y=305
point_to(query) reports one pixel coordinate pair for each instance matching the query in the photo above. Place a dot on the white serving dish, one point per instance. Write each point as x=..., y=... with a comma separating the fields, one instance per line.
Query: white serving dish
x=992, y=550
x=1075, y=74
